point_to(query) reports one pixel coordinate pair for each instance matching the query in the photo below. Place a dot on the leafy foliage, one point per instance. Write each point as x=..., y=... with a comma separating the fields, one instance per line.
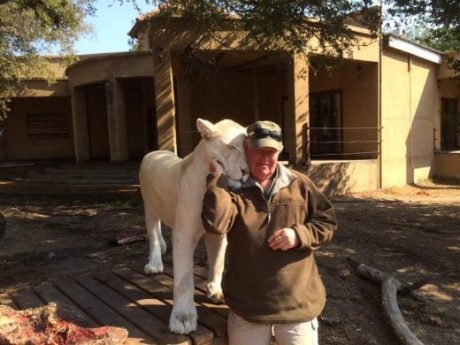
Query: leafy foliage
x=436, y=24
x=299, y=25
x=30, y=28
x=296, y=24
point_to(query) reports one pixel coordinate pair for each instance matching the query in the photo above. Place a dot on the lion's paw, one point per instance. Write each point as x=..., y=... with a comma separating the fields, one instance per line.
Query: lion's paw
x=183, y=322
x=214, y=293
x=153, y=267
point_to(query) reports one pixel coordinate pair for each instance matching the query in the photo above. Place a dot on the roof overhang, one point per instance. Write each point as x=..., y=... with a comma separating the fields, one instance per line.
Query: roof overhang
x=415, y=49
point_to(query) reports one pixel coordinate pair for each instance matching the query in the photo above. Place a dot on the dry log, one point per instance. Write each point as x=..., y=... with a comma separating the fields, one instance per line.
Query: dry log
x=130, y=238
x=119, y=241
x=2, y=225
x=390, y=288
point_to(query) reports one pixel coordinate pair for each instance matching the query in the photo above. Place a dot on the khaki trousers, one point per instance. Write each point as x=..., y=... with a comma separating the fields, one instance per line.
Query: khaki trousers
x=242, y=332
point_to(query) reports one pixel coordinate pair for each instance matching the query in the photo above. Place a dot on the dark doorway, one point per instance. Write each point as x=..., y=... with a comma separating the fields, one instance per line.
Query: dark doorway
x=96, y=109
x=140, y=116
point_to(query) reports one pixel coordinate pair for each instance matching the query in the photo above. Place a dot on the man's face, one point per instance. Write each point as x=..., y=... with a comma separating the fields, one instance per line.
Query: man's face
x=262, y=161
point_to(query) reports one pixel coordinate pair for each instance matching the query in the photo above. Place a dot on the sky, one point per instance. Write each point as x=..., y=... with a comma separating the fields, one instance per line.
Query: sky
x=111, y=25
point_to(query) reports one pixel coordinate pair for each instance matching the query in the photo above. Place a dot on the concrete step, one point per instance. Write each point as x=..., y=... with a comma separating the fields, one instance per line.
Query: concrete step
x=64, y=176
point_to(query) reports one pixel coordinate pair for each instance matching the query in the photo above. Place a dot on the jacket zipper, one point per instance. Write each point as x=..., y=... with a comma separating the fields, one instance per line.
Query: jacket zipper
x=269, y=212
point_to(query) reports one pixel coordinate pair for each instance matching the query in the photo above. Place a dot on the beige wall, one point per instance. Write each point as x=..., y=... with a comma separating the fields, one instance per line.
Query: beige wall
x=366, y=48
x=342, y=177
x=446, y=165
x=409, y=108
x=21, y=146
x=107, y=67
x=41, y=88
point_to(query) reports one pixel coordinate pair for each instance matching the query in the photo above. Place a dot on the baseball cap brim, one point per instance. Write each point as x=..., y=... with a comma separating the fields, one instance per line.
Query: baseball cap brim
x=266, y=142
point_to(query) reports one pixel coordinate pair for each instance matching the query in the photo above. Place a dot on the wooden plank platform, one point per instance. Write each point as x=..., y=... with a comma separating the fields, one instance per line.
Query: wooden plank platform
x=126, y=297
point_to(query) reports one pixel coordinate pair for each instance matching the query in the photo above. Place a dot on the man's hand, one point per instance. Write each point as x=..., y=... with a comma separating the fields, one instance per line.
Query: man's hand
x=283, y=239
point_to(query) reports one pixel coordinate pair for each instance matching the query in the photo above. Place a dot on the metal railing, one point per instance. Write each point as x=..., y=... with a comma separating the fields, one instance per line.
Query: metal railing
x=330, y=142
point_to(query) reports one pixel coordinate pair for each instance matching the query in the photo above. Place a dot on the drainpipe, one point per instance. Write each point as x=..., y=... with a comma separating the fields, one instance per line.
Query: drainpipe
x=255, y=87
x=379, y=104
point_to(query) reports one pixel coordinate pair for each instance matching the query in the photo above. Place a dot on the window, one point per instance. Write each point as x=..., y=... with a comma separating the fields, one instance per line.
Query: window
x=325, y=123
x=450, y=125
x=48, y=125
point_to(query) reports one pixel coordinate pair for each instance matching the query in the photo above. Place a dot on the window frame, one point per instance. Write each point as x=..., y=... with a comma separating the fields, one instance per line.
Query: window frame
x=317, y=150
x=48, y=125
x=448, y=126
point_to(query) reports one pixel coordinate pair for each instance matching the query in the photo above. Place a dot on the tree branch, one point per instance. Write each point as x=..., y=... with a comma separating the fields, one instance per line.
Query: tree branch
x=390, y=289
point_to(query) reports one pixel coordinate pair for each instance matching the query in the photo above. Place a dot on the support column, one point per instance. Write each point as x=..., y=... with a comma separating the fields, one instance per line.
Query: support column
x=298, y=109
x=164, y=100
x=116, y=118
x=183, y=117
x=80, y=125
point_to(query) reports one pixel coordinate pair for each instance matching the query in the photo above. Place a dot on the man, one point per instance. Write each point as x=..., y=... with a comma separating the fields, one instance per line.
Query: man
x=274, y=223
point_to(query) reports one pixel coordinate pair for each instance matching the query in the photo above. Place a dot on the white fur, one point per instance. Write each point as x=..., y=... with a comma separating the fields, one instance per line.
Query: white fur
x=173, y=189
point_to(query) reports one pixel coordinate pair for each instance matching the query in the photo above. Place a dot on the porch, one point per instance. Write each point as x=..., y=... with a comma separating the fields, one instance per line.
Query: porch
x=126, y=297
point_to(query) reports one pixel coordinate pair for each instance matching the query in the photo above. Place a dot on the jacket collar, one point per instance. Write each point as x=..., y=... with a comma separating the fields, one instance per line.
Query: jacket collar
x=285, y=178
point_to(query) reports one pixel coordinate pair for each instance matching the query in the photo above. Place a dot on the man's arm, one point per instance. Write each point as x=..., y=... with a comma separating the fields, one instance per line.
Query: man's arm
x=321, y=221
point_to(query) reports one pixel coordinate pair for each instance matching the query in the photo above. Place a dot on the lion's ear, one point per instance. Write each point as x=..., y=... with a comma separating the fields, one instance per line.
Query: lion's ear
x=206, y=128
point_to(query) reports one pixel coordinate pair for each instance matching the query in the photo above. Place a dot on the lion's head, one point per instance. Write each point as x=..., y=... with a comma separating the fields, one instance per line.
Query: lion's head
x=224, y=142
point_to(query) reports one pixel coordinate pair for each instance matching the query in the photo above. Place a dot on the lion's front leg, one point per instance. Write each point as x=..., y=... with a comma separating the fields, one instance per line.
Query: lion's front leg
x=216, y=246
x=184, y=317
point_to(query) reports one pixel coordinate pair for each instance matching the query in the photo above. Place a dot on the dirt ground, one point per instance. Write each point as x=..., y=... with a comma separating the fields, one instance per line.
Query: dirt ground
x=410, y=233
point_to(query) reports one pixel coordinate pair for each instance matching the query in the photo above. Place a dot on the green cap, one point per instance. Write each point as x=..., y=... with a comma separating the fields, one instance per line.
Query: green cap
x=265, y=134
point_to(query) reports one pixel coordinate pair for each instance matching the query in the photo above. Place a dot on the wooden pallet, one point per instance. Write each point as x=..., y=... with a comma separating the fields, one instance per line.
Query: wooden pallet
x=126, y=297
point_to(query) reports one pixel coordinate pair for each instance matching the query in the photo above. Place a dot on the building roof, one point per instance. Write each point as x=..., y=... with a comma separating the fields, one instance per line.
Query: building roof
x=415, y=49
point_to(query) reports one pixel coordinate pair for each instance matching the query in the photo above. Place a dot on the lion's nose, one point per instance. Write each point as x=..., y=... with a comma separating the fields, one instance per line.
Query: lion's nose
x=245, y=174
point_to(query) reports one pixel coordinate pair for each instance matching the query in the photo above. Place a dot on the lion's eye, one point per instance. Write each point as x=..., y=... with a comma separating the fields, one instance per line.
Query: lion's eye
x=233, y=148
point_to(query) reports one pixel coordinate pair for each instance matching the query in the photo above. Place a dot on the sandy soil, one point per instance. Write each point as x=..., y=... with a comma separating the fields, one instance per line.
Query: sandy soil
x=411, y=233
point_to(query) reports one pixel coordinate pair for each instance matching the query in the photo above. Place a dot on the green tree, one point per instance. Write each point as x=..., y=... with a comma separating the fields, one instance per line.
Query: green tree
x=29, y=29
x=274, y=24
x=436, y=23
x=293, y=24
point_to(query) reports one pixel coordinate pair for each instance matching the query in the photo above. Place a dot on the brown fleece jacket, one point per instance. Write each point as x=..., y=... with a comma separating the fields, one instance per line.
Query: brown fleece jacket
x=261, y=284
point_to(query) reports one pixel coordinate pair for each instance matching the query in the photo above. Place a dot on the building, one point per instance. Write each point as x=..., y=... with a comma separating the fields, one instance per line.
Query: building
x=386, y=116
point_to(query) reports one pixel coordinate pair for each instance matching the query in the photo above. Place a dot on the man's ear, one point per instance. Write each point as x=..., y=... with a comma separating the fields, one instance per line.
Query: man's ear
x=206, y=128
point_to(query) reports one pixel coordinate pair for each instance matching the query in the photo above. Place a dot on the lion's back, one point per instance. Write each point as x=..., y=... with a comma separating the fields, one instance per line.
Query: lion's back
x=159, y=178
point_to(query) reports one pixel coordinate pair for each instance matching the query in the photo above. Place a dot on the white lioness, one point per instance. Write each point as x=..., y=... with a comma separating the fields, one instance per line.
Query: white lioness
x=173, y=189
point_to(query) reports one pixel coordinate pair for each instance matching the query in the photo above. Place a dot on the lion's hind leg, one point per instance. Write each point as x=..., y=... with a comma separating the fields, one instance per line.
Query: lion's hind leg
x=157, y=244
